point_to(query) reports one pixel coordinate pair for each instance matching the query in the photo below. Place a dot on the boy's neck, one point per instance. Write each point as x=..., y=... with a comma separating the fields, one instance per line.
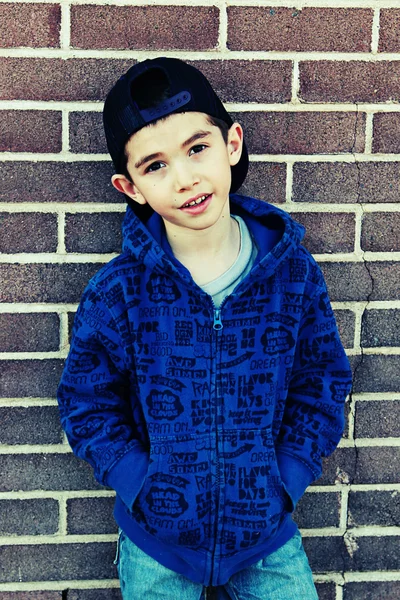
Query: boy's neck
x=208, y=253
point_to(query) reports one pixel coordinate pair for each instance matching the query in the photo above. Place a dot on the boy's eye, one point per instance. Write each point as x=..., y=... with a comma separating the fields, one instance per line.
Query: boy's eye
x=197, y=149
x=155, y=166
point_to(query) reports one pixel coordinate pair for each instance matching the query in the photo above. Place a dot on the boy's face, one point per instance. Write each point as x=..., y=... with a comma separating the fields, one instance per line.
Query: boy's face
x=180, y=160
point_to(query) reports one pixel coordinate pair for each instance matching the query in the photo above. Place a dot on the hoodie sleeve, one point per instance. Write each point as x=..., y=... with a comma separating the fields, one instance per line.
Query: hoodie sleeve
x=97, y=406
x=313, y=419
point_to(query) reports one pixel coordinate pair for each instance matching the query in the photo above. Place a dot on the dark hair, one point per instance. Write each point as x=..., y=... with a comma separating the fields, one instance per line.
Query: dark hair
x=149, y=90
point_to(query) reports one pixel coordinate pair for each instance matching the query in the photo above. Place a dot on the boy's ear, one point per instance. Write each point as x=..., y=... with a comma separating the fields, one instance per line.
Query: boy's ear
x=127, y=187
x=235, y=143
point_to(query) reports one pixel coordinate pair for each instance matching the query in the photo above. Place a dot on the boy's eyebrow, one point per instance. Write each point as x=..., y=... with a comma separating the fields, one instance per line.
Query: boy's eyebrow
x=199, y=135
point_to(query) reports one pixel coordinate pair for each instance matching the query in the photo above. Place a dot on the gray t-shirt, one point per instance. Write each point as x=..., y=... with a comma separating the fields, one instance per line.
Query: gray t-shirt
x=225, y=284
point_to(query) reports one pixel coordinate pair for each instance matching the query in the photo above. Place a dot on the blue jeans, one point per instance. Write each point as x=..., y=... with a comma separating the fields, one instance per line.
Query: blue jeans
x=283, y=575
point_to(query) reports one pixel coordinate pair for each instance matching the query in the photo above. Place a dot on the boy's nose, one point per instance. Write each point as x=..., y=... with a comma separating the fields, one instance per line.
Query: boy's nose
x=185, y=178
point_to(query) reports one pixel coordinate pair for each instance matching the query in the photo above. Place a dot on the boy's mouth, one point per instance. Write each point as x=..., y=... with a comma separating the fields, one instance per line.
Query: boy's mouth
x=196, y=201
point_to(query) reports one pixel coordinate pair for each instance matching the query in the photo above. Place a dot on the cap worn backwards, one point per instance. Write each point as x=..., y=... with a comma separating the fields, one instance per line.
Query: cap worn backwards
x=189, y=90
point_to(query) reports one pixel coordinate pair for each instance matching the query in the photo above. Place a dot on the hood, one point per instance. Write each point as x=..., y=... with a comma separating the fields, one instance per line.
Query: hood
x=275, y=233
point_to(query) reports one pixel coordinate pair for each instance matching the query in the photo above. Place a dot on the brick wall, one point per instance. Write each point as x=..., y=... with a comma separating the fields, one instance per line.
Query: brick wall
x=317, y=89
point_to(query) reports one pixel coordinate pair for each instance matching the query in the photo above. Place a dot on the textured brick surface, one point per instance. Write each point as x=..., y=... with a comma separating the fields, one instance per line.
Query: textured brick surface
x=32, y=25
x=374, y=508
x=96, y=232
x=44, y=282
x=372, y=590
x=58, y=182
x=310, y=29
x=90, y=516
x=386, y=133
x=29, y=378
x=30, y=131
x=376, y=419
x=29, y=232
x=59, y=79
x=45, y=472
x=29, y=517
x=98, y=594
x=86, y=133
x=302, y=133
x=266, y=181
x=144, y=27
x=378, y=465
x=245, y=80
x=378, y=373
x=30, y=425
x=327, y=233
x=346, y=324
x=380, y=328
x=325, y=591
x=29, y=332
x=50, y=562
x=346, y=281
x=349, y=81
x=346, y=182
x=380, y=232
x=389, y=31
x=371, y=553
x=318, y=510
x=32, y=595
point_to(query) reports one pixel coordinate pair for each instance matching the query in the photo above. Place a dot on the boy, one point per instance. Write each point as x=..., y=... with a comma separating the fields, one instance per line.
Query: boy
x=206, y=378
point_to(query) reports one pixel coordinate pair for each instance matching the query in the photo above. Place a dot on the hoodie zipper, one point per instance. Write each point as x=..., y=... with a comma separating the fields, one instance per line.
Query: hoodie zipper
x=217, y=326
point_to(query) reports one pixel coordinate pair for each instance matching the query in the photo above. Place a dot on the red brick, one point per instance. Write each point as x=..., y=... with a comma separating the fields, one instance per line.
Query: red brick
x=377, y=373
x=354, y=281
x=346, y=182
x=326, y=232
x=266, y=181
x=59, y=79
x=28, y=517
x=321, y=509
x=380, y=232
x=95, y=232
x=377, y=419
x=144, y=27
x=53, y=562
x=380, y=328
x=59, y=472
x=386, y=134
x=352, y=81
x=346, y=324
x=309, y=29
x=86, y=133
x=374, y=508
x=389, y=30
x=28, y=232
x=33, y=25
x=33, y=595
x=302, y=132
x=44, y=282
x=30, y=425
x=30, y=131
x=346, y=281
x=29, y=332
x=248, y=80
x=30, y=378
x=372, y=590
x=58, y=182
x=90, y=516
x=325, y=591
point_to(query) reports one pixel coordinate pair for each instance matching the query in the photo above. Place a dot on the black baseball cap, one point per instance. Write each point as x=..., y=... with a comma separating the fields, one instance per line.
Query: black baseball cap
x=189, y=90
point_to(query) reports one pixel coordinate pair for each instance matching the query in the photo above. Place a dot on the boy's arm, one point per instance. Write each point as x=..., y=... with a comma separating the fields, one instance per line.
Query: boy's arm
x=320, y=380
x=102, y=424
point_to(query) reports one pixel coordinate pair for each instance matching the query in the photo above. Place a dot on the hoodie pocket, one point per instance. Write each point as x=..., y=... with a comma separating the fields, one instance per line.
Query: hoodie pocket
x=255, y=499
x=175, y=502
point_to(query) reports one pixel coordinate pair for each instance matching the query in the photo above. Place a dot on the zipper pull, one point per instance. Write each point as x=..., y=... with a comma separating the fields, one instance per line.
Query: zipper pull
x=217, y=325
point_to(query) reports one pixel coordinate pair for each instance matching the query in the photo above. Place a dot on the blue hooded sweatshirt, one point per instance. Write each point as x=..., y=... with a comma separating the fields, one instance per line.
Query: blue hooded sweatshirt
x=208, y=423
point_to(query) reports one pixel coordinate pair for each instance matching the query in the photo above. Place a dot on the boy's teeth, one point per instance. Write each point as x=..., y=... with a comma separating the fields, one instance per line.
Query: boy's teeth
x=196, y=201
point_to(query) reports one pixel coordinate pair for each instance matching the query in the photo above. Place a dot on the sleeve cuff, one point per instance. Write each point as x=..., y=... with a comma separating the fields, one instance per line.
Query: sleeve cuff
x=295, y=475
x=128, y=475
